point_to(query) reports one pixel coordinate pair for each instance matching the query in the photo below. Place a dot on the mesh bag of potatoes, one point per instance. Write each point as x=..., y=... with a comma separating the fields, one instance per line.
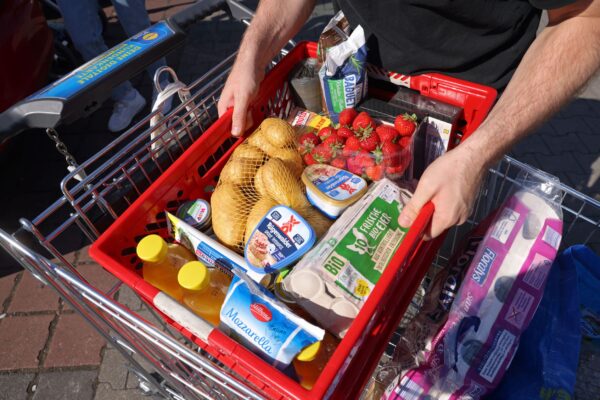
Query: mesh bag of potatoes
x=262, y=172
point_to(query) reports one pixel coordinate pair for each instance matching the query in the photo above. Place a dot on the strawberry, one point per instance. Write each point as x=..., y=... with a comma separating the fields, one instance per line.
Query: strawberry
x=354, y=166
x=364, y=159
x=392, y=152
x=347, y=116
x=309, y=138
x=324, y=133
x=351, y=146
x=323, y=153
x=395, y=171
x=368, y=140
x=344, y=132
x=374, y=172
x=309, y=159
x=387, y=133
x=334, y=140
x=405, y=124
x=405, y=141
x=339, y=162
x=362, y=122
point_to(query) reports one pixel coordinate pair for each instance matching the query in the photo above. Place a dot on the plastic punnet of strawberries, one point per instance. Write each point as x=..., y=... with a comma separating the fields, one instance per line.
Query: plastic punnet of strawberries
x=361, y=145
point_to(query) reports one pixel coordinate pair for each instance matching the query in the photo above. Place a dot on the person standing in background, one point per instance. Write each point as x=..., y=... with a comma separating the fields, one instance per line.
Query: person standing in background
x=85, y=28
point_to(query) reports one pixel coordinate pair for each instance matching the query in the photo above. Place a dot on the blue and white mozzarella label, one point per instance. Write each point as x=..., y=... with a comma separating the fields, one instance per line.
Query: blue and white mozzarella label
x=265, y=325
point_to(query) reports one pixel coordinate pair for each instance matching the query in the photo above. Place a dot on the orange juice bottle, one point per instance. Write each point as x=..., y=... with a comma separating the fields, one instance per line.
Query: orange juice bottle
x=162, y=262
x=204, y=290
x=312, y=359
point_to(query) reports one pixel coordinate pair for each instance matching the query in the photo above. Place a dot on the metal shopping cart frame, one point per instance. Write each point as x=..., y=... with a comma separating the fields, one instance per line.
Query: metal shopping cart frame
x=96, y=192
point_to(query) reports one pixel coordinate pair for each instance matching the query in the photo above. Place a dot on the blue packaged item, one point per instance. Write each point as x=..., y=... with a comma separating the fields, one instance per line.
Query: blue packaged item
x=279, y=239
x=343, y=76
x=545, y=364
x=264, y=324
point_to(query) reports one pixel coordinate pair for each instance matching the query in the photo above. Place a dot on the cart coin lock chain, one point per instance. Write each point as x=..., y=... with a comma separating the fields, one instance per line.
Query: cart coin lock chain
x=61, y=147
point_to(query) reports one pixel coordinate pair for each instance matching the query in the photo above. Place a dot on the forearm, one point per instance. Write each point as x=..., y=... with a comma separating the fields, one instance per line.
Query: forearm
x=275, y=22
x=559, y=62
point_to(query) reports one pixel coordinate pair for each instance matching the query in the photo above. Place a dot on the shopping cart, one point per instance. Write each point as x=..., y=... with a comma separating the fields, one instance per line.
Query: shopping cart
x=124, y=175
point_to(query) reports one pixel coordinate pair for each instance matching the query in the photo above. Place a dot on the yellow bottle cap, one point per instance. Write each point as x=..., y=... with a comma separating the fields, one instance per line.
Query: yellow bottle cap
x=193, y=276
x=152, y=248
x=309, y=352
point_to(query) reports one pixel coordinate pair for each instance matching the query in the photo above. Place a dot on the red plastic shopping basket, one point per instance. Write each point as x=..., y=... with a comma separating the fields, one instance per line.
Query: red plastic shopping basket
x=194, y=175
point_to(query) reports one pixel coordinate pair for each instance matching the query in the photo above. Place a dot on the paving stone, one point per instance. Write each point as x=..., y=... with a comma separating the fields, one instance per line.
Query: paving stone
x=22, y=338
x=565, y=162
x=532, y=144
x=132, y=381
x=113, y=370
x=570, y=124
x=105, y=392
x=75, y=343
x=591, y=141
x=6, y=285
x=97, y=276
x=570, y=142
x=13, y=386
x=128, y=298
x=33, y=295
x=66, y=385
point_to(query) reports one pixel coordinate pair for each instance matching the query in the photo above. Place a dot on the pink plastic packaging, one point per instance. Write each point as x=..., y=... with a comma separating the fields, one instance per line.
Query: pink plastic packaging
x=496, y=301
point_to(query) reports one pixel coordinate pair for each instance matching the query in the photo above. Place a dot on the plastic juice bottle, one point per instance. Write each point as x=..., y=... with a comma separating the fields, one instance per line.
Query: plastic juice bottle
x=162, y=262
x=204, y=290
x=312, y=359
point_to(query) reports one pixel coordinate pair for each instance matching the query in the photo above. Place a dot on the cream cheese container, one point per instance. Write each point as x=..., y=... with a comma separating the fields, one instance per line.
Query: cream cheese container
x=334, y=279
x=196, y=213
x=331, y=189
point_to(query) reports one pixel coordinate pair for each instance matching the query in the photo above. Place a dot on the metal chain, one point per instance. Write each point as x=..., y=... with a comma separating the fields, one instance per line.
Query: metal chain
x=62, y=148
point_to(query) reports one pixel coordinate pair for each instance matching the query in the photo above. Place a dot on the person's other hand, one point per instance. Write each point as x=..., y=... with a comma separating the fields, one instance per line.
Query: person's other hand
x=239, y=91
x=451, y=182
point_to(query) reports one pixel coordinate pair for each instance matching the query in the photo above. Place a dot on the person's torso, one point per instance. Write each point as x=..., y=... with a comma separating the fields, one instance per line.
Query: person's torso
x=478, y=40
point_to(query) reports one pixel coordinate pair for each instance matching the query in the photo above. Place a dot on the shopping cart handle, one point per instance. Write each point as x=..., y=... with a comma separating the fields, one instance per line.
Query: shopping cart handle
x=82, y=91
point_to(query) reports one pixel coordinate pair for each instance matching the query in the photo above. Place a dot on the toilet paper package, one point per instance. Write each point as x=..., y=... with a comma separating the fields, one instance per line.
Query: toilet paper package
x=498, y=297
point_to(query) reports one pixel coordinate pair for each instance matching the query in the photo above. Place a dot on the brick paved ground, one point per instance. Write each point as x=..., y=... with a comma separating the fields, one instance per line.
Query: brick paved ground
x=48, y=352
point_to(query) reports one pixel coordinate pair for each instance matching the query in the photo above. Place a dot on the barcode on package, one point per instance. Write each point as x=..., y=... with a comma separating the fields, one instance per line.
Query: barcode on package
x=409, y=389
x=552, y=237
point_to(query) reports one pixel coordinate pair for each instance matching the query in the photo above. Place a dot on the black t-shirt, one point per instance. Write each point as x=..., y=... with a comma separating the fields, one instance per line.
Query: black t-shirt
x=477, y=40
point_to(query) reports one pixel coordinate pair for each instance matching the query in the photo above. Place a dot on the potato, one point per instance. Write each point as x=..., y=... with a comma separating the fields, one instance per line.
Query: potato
x=259, y=210
x=292, y=160
x=230, y=210
x=250, y=152
x=259, y=186
x=277, y=131
x=279, y=183
x=258, y=139
x=316, y=220
x=239, y=171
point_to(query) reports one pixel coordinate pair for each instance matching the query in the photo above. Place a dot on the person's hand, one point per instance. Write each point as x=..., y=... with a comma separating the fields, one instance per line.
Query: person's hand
x=451, y=182
x=239, y=91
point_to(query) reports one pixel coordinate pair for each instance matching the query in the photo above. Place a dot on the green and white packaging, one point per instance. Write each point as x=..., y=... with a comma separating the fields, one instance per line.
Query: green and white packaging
x=335, y=278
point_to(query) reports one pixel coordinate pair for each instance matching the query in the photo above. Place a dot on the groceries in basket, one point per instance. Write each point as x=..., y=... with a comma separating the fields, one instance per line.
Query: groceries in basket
x=204, y=289
x=212, y=253
x=334, y=280
x=343, y=74
x=161, y=263
x=304, y=121
x=279, y=239
x=363, y=146
x=305, y=84
x=332, y=189
x=264, y=324
x=495, y=303
x=262, y=172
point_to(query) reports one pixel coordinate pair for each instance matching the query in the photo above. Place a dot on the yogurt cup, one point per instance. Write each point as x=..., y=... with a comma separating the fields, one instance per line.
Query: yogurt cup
x=331, y=189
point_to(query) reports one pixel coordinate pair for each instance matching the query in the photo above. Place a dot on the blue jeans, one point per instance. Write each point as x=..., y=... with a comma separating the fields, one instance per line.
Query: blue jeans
x=85, y=28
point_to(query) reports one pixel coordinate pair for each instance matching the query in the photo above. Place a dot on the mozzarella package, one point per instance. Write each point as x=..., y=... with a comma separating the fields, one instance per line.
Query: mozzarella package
x=501, y=291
